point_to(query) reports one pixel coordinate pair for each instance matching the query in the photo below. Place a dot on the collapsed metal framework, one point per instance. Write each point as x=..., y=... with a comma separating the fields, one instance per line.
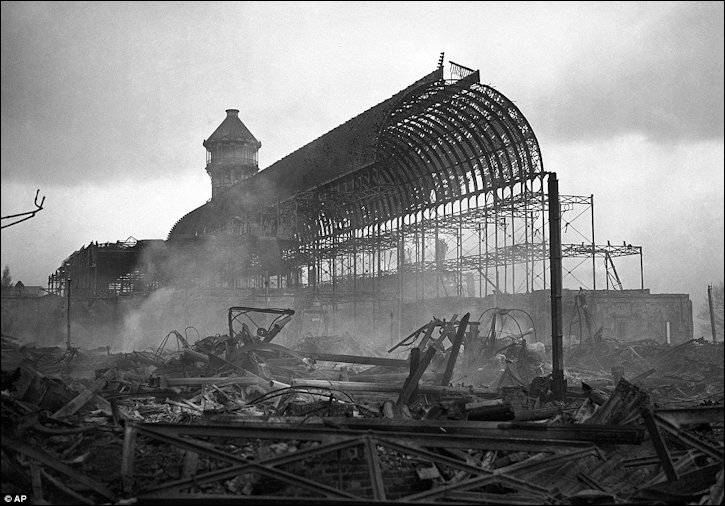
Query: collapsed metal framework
x=103, y=270
x=372, y=451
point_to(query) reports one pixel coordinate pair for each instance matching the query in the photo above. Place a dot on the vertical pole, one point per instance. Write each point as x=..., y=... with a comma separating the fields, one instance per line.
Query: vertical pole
x=416, y=269
x=401, y=255
x=391, y=328
x=558, y=381
x=459, y=252
x=480, y=276
x=505, y=252
x=496, y=289
x=354, y=279
x=668, y=335
x=421, y=262
x=641, y=269
x=485, y=220
x=543, y=232
x=438, y=281
x=376, y=292
x=513, y=242
x=712, y=312
x=594, y=270
x=524, y=190
x=67, y=329
x=333, y=264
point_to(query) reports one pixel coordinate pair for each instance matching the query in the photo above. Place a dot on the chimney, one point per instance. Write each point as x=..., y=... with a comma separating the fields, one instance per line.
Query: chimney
x=232, y=113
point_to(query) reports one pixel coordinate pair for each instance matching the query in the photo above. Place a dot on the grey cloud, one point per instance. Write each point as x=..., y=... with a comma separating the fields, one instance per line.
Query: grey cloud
x=664, y=81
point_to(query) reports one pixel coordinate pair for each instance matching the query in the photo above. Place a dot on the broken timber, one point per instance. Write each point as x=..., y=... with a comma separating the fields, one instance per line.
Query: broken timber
x=79, y=401
x=411, y=384
x=448, y=374
x=361, y=386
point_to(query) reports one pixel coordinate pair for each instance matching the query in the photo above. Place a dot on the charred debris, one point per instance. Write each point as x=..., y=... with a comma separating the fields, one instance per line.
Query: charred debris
x=455, y=413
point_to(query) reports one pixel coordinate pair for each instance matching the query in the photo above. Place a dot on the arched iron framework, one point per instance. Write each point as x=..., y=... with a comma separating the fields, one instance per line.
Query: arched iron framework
x=443, y=143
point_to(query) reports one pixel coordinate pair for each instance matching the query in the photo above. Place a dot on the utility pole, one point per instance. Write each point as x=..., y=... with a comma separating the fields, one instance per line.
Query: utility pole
x=712, y=313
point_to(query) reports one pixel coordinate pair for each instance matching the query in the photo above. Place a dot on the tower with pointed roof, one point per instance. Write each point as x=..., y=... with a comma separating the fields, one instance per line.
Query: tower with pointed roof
x=231, y=153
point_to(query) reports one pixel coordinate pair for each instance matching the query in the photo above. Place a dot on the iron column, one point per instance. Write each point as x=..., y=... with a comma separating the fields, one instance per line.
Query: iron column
x=557, y=356
x=67, y=328
x=712, y=312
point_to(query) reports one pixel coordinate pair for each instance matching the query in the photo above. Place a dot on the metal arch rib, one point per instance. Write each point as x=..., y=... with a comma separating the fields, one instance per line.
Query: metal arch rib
x=482, y=142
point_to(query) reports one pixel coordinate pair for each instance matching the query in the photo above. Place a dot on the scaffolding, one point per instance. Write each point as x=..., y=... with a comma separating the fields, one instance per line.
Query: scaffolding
x=495, y=243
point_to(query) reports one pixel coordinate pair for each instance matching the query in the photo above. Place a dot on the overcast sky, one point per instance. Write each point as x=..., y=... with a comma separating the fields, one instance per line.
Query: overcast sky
x=105, y=107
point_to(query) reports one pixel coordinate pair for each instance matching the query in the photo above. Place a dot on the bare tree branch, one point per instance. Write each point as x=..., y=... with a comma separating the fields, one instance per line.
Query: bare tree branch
x=27, y=215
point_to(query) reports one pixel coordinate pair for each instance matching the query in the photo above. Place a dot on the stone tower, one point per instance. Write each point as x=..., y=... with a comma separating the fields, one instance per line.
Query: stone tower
x=231, y=153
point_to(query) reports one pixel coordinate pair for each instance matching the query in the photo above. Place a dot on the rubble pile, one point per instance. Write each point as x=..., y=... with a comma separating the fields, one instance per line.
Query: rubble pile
x=444, y=417
x=691, y=371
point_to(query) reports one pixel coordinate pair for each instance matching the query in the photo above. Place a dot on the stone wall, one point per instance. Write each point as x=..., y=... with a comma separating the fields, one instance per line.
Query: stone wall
x=141, y=321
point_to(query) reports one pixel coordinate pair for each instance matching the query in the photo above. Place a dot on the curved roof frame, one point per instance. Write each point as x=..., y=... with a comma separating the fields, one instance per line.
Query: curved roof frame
x=442, y=143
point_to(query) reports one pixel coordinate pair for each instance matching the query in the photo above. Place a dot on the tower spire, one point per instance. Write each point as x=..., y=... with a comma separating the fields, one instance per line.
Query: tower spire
x=231, y=153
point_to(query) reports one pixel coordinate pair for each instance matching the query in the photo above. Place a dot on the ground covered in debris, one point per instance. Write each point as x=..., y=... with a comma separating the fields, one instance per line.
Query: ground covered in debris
x=446, y=416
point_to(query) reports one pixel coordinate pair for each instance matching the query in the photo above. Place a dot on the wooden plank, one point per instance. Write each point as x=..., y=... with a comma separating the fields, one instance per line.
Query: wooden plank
x=362, y=386
x=52, y=462
x=688, y=439
x=411, y=384
x=694, y=415
x=455, y=349
x=536, y=414
x=428, y=333
x=267, y=385
x=659, y=444
x=626, y=400
x=498, y=412
x=641, y=377
x=391, y=377
x=590, y=482
x=356, y=359
x=217, y=380
x=78, y=402
x=414, y=362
